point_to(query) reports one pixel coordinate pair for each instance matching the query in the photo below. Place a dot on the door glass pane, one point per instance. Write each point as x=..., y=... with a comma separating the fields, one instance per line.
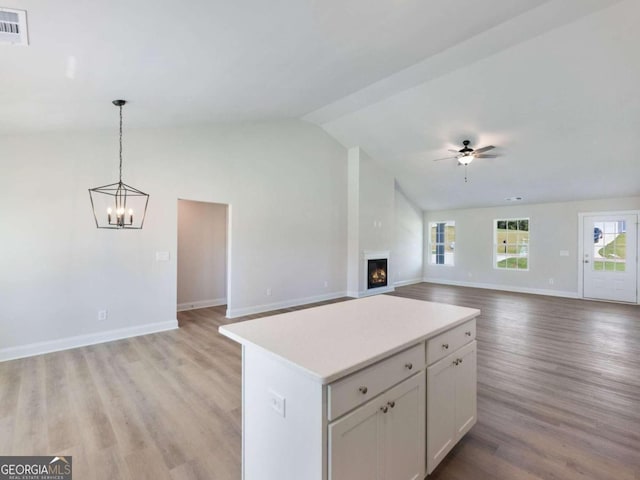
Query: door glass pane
x=610, y=246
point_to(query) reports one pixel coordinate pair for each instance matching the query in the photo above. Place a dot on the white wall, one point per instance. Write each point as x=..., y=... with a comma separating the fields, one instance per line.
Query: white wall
x=353, y=219
x=553, y=227
x=377, y=190
x=371, y=215
x=285, y=183
x=202, y=254
x=408, y=247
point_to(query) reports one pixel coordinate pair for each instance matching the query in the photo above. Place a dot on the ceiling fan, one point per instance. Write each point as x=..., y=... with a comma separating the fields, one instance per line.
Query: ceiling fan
x=465, y=155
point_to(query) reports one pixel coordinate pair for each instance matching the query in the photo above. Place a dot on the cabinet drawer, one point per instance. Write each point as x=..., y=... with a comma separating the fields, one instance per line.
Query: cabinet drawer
x=449, y=341
x=348, y=393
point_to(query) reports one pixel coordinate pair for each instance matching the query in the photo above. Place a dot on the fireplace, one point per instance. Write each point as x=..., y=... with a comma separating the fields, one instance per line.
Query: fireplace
x=377, y=273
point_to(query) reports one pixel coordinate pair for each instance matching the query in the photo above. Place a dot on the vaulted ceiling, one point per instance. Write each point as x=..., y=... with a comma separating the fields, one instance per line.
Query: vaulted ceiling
x=551, y=83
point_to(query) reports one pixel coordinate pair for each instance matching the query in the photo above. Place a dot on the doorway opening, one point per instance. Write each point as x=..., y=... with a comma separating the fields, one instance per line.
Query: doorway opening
x=609, y=253
x=203, y=253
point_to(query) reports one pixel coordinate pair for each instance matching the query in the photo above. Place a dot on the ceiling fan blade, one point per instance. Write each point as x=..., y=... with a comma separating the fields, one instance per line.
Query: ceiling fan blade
x=484, y=149
x=454, y=151
x=486, y=156
x=446, y=158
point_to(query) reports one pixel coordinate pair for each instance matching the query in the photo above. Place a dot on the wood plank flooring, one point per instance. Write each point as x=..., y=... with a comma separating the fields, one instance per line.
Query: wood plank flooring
x=558, y=396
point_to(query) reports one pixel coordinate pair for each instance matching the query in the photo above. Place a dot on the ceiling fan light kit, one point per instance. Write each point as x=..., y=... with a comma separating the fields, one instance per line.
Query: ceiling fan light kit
x=466, y=155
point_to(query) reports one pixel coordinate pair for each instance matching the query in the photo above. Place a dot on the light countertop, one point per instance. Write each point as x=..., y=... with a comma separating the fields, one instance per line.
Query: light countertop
x=331, y=341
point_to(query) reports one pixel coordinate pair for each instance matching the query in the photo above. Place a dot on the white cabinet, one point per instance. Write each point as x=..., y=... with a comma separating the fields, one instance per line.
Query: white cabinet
x=384, y=439
x=451, y=402
x=339, y=392
x=405, y=439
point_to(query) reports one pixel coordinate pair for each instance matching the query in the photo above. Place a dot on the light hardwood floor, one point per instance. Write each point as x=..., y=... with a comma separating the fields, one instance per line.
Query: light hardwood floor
x=558, y=396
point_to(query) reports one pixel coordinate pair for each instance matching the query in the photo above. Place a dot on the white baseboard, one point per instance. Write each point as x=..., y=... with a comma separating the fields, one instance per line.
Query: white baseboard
x=505, y=288
x=214, y=302
x=32, y=349
x=403, y=283
x=241, y=312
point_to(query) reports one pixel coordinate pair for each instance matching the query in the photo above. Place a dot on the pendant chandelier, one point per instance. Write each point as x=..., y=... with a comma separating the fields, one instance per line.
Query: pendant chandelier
x=118, y=205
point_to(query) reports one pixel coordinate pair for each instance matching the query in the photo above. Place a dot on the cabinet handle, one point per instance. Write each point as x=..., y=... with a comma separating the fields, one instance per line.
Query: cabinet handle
x=408, y=366
x=363, y=390
x=384, y=409
x=392, y=404
x=445, y=346
x=455, y=362
x=459, y=360
x=468, y=334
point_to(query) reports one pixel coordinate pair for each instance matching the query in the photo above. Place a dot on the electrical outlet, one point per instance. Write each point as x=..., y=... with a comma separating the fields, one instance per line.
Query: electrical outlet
x=102, y=315
x=277, y=402
x=268, y=292
x=551, y=281
x=326, y=284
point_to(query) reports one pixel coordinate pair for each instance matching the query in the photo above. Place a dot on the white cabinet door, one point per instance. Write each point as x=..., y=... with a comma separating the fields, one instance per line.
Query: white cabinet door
x=384, y=439
x=466, y=390
x=404, y=439
x=441, y=431
x=451, y=402
x=355, y=444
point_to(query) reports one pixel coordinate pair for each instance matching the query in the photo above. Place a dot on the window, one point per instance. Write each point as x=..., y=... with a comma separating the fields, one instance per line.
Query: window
x=610, y=246
x=511, y=244
x=442, y=242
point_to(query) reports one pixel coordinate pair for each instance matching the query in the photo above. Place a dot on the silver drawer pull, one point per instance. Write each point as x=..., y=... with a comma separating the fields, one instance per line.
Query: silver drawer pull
x=445, y=346
x=363, y=390
x=392, y=404
x=408, y=366
x=468, y=334
x=384, y=409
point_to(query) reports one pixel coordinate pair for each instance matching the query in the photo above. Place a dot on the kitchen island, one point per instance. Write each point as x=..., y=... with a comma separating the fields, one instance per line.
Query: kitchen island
x=375, y=388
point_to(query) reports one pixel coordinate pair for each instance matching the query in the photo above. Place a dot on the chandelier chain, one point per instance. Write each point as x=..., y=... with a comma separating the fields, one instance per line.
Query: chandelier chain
x=120, y=143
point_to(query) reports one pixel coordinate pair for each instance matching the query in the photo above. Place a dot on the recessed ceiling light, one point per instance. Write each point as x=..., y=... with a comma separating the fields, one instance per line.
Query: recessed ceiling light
x=513, y=199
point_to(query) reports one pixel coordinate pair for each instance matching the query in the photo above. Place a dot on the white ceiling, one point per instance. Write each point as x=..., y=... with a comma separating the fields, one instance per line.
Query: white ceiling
x=551, y=82
x=563, y=108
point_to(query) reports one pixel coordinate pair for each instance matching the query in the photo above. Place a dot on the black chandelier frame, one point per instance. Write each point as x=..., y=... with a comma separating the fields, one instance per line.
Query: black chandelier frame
x=118, y=218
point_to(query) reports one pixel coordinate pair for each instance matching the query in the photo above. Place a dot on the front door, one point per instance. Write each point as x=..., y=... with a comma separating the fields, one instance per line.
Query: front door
x=610, y=264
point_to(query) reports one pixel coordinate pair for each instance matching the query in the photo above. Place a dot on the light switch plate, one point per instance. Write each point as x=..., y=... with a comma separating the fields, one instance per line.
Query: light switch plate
x=277, y=402
x=162, y=256
x=564, y=253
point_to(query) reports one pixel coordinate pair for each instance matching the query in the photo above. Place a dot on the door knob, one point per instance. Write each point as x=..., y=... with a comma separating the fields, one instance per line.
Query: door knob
x=586, y=261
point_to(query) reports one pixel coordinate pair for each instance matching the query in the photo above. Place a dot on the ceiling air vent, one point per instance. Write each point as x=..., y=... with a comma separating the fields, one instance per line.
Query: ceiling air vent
x=13, y=27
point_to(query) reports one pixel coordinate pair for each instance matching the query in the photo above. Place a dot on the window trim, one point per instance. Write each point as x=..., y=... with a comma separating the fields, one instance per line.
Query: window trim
x=495, y=244
x=431, y=243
